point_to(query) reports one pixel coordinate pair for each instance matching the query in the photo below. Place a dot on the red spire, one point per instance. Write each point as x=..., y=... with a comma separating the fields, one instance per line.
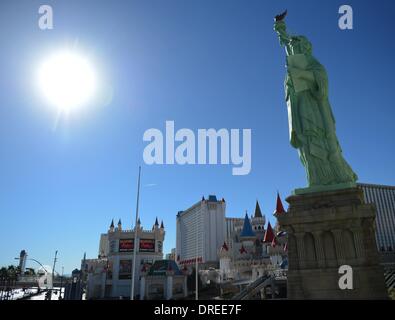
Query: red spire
x=225, y=246
x=242, y=250
x=279, y=206
x=269, y=234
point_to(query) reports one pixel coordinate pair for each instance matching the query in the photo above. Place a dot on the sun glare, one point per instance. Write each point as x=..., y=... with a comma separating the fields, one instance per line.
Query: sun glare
x=67, y=80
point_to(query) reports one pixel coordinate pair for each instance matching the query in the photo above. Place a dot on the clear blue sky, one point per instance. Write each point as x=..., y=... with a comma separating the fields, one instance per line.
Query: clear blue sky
x=201, y=63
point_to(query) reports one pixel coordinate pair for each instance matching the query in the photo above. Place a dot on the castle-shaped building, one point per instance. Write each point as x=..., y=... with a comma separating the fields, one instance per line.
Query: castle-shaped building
x=110, y=274
x=252, y=249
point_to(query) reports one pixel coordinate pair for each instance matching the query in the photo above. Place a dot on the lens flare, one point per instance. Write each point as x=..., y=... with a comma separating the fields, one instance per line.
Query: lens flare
x=67, y=80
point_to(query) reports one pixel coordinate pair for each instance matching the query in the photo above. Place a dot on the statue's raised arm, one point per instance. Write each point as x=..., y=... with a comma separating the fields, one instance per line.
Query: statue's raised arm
x=280, y=28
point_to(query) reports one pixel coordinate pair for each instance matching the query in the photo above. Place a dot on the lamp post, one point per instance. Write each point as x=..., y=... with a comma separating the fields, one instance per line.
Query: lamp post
x=61, y=285
x=135, y=245
x=53, y=268
x=196, y=264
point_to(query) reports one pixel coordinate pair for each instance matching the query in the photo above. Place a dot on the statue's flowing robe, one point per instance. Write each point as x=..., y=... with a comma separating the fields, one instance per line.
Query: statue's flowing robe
x=312, y=129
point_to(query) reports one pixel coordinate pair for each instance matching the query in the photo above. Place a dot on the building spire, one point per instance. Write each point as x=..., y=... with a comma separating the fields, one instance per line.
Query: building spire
x=119, y=222
x=156, y=222
x=258, y=212
x=112, y=224
x=269, y=234
x=279, y=206
x=247, y=228
x=162, y=226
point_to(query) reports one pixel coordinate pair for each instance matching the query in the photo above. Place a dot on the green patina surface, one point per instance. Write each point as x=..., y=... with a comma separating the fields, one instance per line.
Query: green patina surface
x=311, y=122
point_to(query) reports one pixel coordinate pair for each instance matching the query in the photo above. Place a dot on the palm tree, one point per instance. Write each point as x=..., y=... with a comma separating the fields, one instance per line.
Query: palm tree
x=3, y=272
x=12, y=272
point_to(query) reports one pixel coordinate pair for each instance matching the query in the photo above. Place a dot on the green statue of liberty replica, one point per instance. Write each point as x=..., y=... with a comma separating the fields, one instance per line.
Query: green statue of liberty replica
x=328, y=224
x=311, y=122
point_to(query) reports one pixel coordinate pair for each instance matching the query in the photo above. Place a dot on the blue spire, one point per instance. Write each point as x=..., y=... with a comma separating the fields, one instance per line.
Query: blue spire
x=247, y=229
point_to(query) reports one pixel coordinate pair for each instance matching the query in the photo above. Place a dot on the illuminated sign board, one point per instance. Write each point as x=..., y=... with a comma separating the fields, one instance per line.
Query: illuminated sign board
x=126, y=245
x=146, y=245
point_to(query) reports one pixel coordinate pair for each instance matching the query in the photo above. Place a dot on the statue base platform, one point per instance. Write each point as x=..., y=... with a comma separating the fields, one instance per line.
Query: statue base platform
x=332, y=187
x=327, y=230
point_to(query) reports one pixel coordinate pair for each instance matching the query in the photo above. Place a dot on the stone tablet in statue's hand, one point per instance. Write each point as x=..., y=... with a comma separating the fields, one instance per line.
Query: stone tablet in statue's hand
x=297, y=73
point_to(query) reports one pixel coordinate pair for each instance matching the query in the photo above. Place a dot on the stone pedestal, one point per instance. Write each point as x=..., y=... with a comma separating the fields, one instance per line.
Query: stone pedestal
x=325, y=231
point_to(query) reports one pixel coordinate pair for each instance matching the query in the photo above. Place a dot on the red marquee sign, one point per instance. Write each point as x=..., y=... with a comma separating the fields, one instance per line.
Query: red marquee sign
x=126, y=245
x=146, y=245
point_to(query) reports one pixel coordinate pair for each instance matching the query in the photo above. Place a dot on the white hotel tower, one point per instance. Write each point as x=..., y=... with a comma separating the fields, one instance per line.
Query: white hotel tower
x=201, y=231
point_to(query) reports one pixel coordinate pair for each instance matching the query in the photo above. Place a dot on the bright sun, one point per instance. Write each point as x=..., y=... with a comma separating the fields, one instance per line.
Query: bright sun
x=67, y=80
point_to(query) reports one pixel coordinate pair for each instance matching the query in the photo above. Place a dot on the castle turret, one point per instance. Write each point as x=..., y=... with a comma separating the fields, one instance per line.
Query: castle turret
x=119, y=225
x=269, y=234
x=258, y=221
x=111, y=228
x=258, y=213
x=247, y=233
x=156, y=224
x=279, y=206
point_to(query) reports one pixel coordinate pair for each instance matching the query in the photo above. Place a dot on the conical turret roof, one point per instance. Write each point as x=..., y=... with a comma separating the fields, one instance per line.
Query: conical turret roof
x=258, y=212
x=269, y=234
x=279, y=206
x=247, y=228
